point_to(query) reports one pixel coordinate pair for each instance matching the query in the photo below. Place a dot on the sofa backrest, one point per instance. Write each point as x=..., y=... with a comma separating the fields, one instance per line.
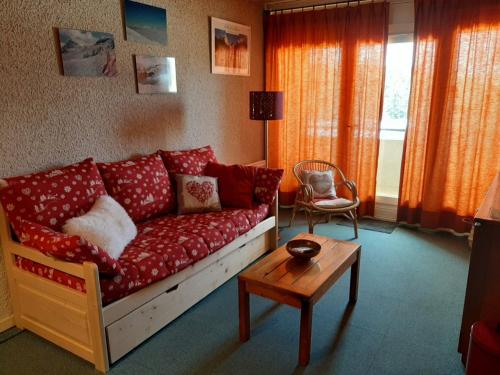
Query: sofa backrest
x=50, y=198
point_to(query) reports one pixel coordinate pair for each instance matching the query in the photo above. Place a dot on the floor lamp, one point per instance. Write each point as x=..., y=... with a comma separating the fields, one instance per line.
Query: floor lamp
x=266, y=105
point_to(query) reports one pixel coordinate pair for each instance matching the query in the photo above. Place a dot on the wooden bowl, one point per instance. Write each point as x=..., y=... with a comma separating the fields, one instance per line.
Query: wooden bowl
x=303, y=249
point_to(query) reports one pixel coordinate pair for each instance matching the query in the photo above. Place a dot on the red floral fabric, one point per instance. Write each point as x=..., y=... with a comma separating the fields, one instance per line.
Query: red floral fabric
x=141, y=186
x=163, y=247
x=267, y=183
x=192, y=162
x=66, y=247
x=52, y=197
x=51, y=274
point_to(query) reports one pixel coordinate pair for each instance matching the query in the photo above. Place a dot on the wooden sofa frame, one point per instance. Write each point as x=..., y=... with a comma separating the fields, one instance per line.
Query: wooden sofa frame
x=77, y=321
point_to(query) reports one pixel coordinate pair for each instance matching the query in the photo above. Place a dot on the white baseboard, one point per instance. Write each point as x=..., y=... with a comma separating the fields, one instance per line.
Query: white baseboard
x=6, y=323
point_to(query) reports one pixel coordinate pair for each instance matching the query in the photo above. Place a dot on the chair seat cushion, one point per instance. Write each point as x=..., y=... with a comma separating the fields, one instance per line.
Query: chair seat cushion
x=333, y=203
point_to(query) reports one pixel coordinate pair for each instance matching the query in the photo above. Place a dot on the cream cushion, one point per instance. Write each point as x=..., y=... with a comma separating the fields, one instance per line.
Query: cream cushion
x=333, y=203
x=321, y=182
x=106, y=225
x=197, y=194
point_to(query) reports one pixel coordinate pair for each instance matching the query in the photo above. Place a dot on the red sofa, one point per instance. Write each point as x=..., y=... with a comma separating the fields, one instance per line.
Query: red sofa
x=114, y=301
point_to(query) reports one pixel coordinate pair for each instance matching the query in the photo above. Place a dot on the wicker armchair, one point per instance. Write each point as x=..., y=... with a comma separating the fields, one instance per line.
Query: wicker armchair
x=324, y=208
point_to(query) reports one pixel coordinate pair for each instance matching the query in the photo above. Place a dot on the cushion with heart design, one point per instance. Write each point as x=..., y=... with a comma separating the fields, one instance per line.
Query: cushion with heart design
x=202, y=191
x=197, y=194
x=322, y=183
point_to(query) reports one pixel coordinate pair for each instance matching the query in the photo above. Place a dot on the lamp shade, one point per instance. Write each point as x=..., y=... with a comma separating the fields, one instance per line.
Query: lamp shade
x=266, y=105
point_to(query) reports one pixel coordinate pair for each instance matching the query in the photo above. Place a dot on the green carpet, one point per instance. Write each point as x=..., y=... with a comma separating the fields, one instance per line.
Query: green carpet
x=406, y=321
x=369, y=224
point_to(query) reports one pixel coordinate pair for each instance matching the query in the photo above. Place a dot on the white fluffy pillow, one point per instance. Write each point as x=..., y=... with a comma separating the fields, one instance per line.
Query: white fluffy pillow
x=106, y=225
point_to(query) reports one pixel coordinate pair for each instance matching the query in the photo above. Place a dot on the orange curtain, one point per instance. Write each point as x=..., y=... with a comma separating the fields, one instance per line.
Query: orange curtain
x=330, y=65
x=452, y=146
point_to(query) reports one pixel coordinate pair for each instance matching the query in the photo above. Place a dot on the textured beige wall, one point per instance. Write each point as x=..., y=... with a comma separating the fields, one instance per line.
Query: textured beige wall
x=47, y=119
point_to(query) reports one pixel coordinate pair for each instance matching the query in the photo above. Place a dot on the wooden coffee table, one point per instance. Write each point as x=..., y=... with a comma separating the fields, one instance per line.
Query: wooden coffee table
x=284, y=279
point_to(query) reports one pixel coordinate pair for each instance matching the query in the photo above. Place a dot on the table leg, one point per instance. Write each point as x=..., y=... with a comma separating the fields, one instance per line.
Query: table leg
x=305, y=332
x=244, y=308
x=353, y=291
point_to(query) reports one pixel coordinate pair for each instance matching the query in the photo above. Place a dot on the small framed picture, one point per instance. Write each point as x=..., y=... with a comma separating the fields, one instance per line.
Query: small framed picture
x=155, y=75
x=145, y=23
x=230, y=48
x=87, y=53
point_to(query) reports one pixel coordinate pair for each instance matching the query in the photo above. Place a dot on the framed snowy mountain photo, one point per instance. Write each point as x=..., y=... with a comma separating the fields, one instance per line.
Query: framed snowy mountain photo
x=145, y=23
x=87, y=53
x=155, y=75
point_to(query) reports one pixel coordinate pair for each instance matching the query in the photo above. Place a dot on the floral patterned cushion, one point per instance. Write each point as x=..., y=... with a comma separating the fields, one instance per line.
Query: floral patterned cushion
x=50, y=273
x=196, y=194
x=163, y=247
x=50, y=198
x=192, y=162
x=141, y=186
x=66, y=247
x=267, y=183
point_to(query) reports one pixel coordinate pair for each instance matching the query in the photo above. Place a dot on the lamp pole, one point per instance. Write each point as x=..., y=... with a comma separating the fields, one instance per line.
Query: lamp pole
x=266, y=142
x=266, y=105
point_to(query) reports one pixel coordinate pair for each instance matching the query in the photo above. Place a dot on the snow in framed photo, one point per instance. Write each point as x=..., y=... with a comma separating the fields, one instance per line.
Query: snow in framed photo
x=155, y=75
x=87, y=53
x=230, y=48
x=145, y=23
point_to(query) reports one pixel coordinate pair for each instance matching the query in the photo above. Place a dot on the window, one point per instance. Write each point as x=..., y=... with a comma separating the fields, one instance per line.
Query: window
x=399, y=59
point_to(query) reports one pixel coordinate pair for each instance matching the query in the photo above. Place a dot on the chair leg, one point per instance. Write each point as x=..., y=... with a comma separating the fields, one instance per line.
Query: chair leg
x=310, y=221
x=355, y=222
x=292, y=218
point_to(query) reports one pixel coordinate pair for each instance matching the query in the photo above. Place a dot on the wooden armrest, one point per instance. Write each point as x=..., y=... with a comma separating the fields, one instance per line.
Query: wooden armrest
x=75, y=269
x=351, y=185
x=307, y=193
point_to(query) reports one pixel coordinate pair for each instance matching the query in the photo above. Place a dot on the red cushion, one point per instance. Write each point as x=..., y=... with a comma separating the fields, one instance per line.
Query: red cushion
x=50, y=273
x=169, y=244
x=267, y=183
x=164, y=246
x=140, y=185
x=66, y=247
x=236, y=184
x=192, y=162
x=52, y=197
